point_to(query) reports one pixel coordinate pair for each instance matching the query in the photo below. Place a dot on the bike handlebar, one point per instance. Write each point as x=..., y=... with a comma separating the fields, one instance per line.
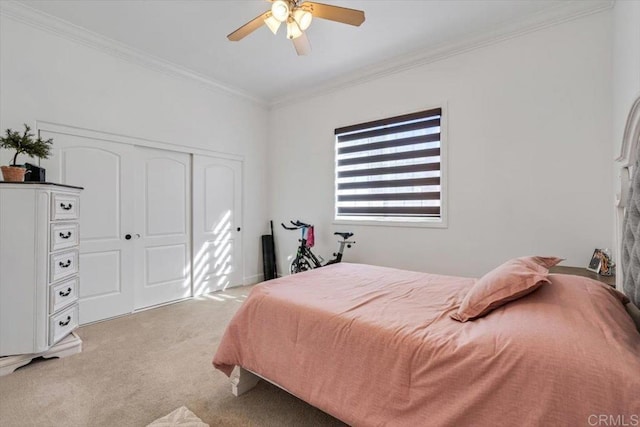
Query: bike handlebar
x=297, y=224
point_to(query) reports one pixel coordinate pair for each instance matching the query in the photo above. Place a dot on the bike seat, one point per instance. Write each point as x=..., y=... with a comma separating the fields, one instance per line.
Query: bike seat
x=344, y=236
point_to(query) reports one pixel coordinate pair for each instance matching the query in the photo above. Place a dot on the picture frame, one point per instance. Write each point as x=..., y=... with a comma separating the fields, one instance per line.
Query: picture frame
x=596, y=261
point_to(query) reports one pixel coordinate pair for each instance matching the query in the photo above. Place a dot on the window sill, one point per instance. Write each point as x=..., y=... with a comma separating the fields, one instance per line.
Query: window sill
x=386, y=223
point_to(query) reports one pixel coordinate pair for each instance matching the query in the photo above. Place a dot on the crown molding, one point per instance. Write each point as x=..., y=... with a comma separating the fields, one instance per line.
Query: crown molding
x=565, y=12
x=43, y=21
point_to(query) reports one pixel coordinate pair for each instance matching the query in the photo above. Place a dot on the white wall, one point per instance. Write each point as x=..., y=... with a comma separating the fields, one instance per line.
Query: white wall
x=626, y=64
x=529, y=169
x=50, y=78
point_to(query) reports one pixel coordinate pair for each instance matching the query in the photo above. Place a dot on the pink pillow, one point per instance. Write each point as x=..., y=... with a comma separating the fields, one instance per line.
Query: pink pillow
x=512, y=280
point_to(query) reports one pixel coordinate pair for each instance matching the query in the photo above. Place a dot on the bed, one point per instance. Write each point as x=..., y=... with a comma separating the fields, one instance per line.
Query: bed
x=377, y=346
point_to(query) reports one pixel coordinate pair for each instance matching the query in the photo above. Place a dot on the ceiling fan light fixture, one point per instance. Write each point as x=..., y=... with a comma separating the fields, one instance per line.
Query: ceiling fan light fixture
x=303, y=18
x=280, y=10
x=272, y=23
x=293, y=29
x=297, y=15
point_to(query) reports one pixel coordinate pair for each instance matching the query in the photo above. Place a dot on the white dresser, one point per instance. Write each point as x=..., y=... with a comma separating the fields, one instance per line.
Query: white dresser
x=39, y=284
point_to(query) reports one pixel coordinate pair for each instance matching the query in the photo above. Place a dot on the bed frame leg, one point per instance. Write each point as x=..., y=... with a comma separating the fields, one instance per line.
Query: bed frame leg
x=243, y=381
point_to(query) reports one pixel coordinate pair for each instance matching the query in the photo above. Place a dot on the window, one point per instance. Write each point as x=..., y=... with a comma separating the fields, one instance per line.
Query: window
x=390, y=169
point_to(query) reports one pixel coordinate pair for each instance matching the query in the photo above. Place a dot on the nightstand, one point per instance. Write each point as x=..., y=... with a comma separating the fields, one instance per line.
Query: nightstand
x=581, y=271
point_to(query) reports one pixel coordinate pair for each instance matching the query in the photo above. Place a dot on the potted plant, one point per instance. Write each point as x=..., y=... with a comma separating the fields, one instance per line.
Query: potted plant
x=23, y=144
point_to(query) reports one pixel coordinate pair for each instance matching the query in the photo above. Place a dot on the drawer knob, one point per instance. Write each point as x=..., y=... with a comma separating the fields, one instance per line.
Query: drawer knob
x=66, y=322
x=65, y=294
x=65, y=235
x=65, y=264
x=66, y=207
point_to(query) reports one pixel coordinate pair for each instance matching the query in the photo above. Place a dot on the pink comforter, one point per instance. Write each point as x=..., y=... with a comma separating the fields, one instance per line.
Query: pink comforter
x=375, y=346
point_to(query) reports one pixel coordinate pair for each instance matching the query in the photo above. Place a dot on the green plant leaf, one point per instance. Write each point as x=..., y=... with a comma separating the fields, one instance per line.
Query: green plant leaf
x=26, y=144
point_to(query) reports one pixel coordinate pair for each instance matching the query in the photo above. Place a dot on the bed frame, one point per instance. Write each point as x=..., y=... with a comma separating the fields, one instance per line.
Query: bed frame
x=243, y=380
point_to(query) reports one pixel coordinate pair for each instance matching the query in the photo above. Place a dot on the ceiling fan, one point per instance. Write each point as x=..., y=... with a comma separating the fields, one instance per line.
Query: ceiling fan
x=297, y=16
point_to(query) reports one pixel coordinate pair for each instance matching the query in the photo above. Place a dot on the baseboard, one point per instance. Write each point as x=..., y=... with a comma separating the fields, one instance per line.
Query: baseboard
x=252, y=280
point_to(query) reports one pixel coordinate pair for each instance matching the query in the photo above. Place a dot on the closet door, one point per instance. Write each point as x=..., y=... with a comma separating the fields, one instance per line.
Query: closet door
x=162, y=226
x=105, y=170
x=217, y=222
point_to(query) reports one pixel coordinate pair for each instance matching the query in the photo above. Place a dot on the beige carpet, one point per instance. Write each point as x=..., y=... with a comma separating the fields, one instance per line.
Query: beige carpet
x=136, y=369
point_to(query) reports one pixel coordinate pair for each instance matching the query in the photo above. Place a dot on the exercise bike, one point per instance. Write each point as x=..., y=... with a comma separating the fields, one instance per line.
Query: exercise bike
x=305, y=258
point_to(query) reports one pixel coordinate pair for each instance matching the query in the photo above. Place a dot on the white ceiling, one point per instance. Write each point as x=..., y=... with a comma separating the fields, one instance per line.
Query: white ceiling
x=192, y=35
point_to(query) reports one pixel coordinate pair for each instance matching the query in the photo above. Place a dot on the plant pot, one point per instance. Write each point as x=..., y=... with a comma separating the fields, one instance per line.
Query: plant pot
x=13, y=173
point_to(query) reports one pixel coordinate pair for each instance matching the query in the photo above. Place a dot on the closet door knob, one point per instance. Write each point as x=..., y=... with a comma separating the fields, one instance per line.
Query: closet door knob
x=127, y=237
x=238, y=229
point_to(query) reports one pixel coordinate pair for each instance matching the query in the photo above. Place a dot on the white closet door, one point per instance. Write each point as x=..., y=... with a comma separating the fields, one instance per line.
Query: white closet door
x=217, y=221
x=105, y=170
x=163, y=222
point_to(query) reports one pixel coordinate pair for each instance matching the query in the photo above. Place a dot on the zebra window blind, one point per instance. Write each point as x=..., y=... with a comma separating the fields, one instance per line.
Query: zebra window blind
x=390, y=169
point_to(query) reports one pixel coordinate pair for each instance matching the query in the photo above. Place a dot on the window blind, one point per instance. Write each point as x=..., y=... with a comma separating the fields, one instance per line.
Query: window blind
x=390, y=168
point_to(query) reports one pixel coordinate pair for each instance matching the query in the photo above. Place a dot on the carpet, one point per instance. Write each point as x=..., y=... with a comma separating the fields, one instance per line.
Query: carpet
x=180, y=417
x=135, y=369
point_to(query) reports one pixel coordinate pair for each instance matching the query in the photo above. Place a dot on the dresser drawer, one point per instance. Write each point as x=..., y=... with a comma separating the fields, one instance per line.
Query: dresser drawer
x=61, y=324
x=64, y=206
x=62, y=265
x=64, y=235
x=63, y=294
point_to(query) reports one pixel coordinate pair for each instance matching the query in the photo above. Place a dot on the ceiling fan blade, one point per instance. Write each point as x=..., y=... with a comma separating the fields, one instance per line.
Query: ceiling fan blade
x=334, y=13
x=248, y=28
x=302, y=45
